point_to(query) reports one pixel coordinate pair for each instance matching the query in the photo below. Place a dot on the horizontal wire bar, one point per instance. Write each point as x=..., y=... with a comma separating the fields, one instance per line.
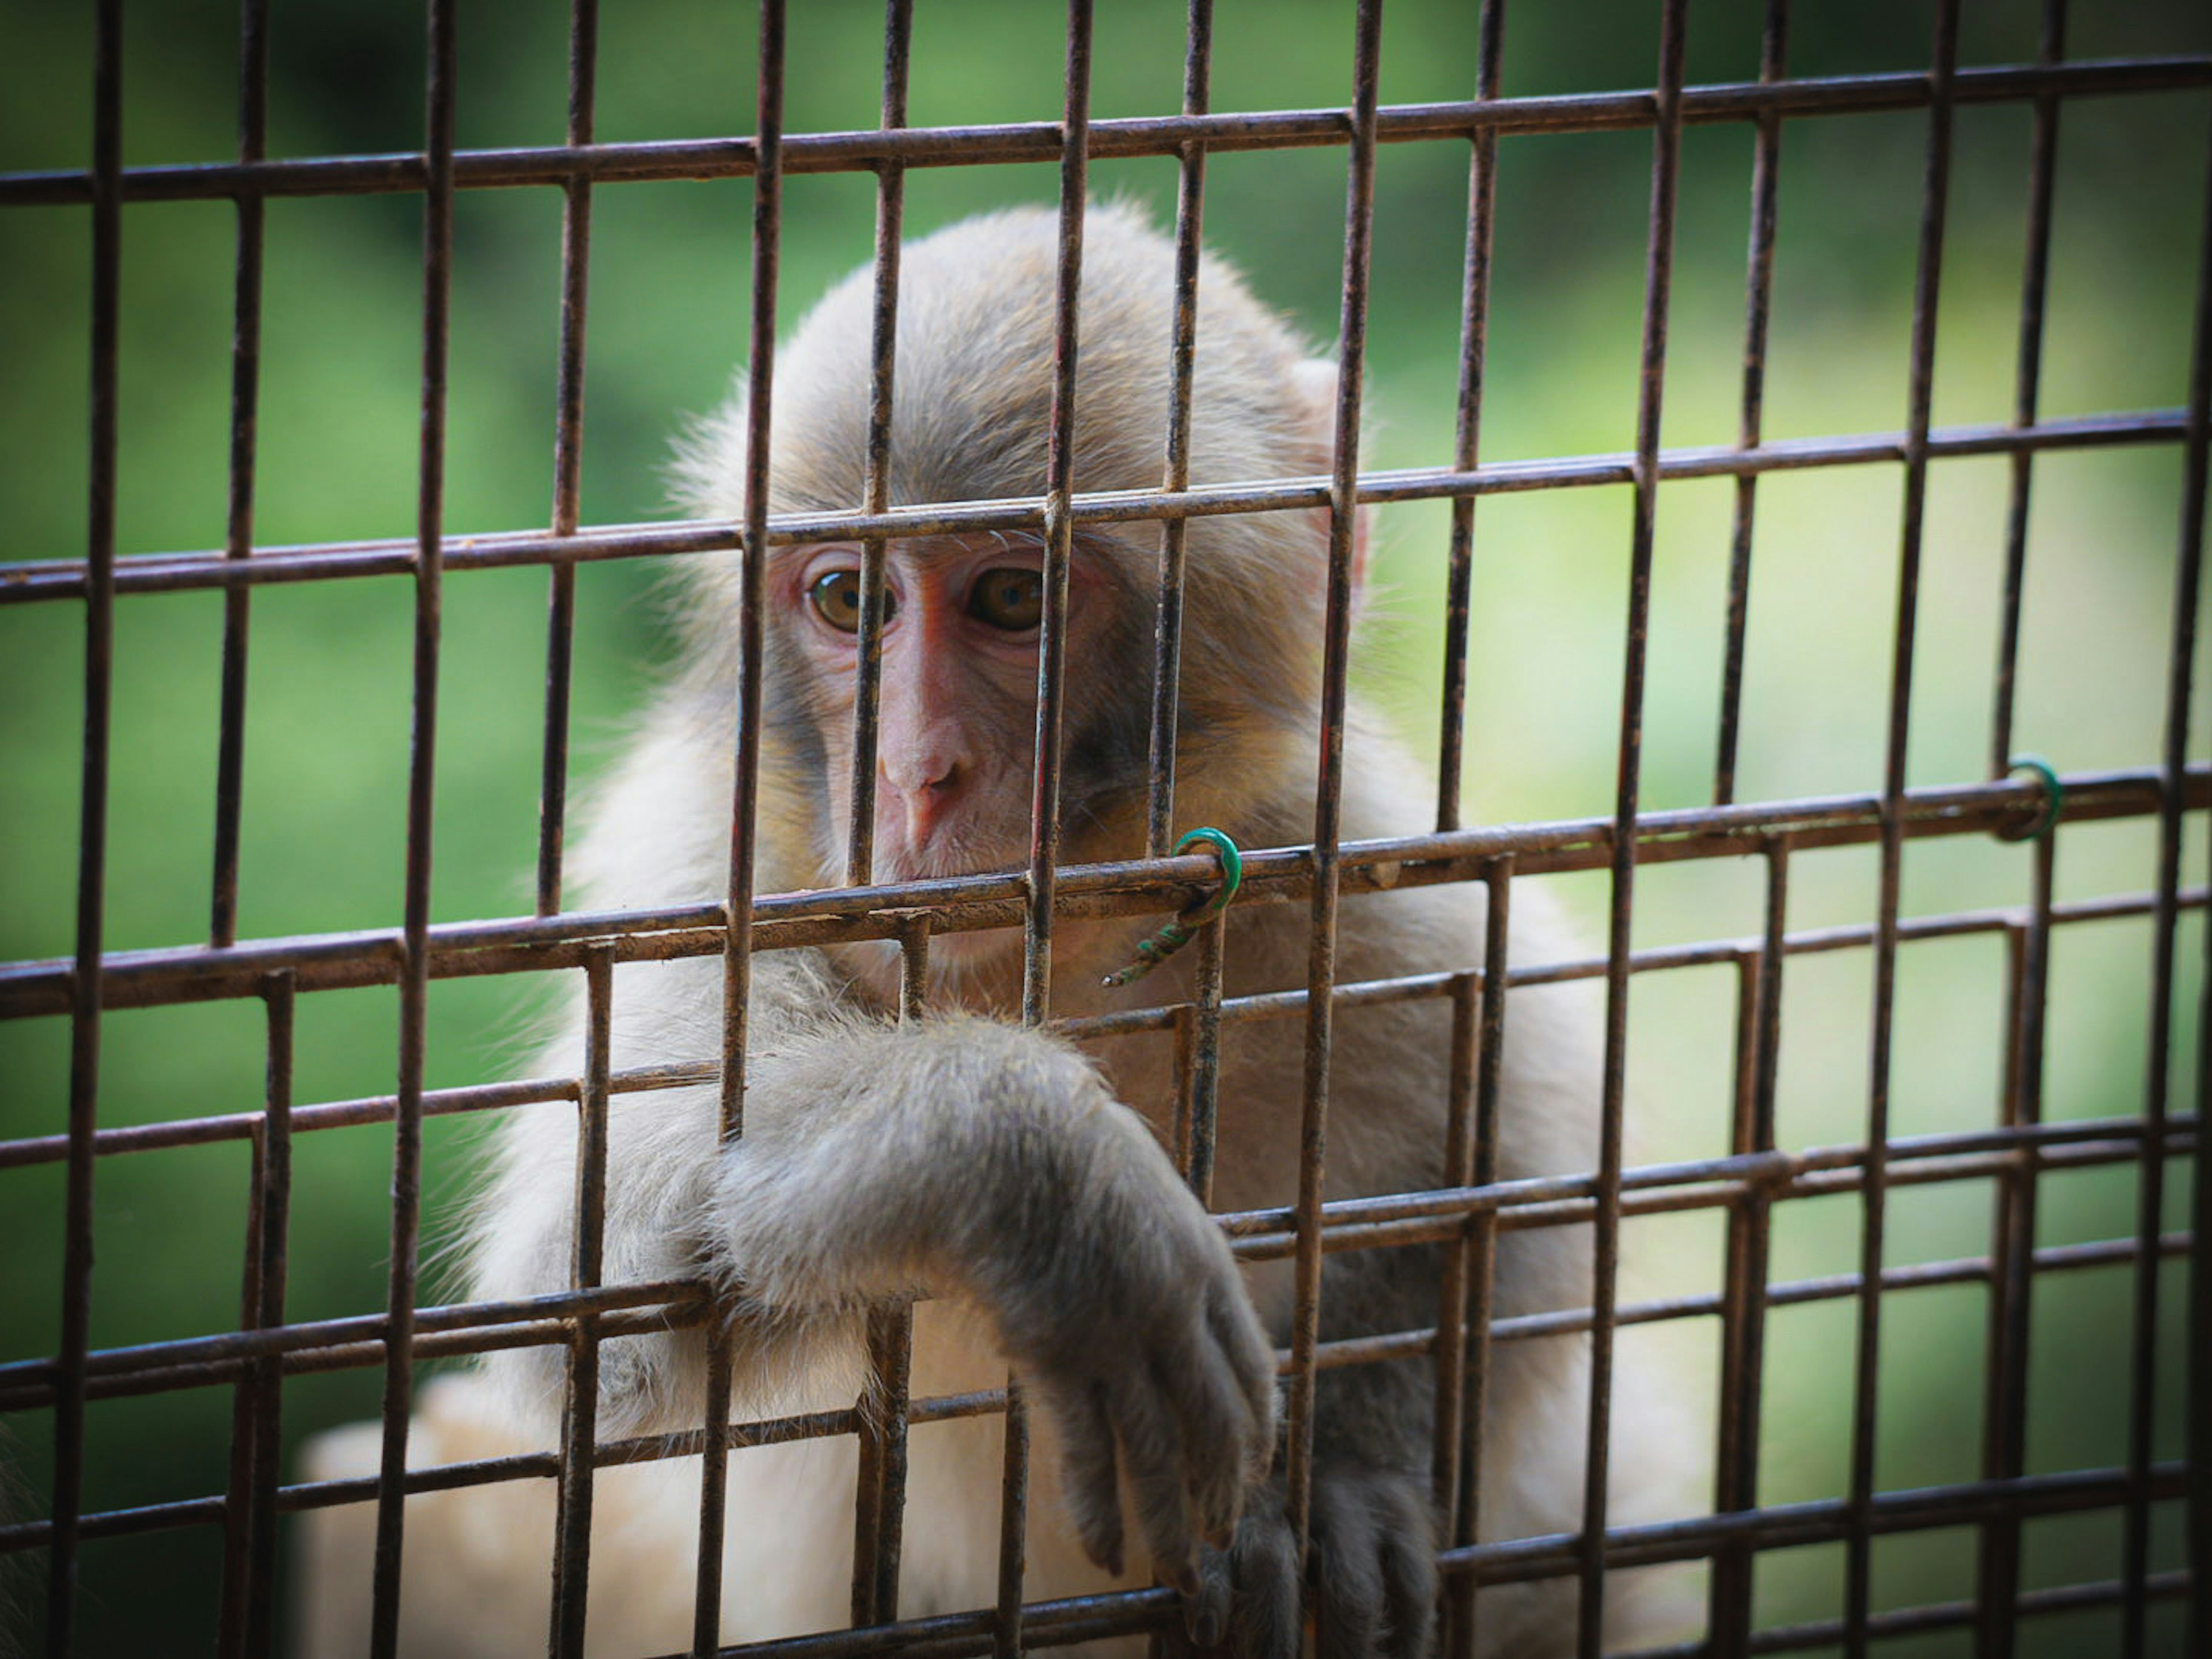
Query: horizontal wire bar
x=1133, y=887
x=1788, y=1293
x=1546, y=1201
x=1939, y=1615
x=372, y=1109
x=29, y=581
x=699, y=159
x=1510, y=1561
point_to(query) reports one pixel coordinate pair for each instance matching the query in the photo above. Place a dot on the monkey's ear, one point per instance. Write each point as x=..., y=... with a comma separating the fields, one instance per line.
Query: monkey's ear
x=1314, y=383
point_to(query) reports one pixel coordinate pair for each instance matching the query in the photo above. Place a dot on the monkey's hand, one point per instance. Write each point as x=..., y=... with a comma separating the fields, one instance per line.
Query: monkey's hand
x=964, y=1157
x=1373, y=1569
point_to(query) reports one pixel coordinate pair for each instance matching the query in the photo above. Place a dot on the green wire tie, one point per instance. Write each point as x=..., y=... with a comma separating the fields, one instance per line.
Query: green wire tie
x=2054, y=797
x=1151, y=952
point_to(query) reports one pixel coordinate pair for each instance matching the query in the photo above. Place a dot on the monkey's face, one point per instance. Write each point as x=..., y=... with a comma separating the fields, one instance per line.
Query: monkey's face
x=956, y=739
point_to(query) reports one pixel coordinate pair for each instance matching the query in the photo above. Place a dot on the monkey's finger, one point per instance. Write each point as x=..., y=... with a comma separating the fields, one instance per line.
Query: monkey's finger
x=1347, y=1569
x=1266, y=1616
x=1237, y=1332
x=1216, y=1423
x=1205, y=1615
x=1094, y=1500
x=1407, y=1536
x=1152, y=1447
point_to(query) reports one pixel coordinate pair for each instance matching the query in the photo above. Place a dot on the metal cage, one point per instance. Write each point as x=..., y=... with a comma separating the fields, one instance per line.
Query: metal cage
x=2012, y=1151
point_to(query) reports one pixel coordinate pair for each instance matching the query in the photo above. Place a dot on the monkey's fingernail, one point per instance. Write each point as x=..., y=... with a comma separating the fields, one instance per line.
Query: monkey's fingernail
x=1210, y=1628
x=1183, y=1575
x=1112, y=1561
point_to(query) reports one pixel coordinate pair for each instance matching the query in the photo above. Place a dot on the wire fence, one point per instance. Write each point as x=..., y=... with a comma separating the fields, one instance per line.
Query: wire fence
x=2015, y=1154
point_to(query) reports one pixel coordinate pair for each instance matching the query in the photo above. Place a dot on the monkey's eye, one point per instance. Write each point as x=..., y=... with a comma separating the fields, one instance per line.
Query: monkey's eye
x=835, y=597
x=1011, y=599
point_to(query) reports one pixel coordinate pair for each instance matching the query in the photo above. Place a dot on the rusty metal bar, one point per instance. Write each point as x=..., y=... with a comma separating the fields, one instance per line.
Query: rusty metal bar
x=1127, y=137
x=568, y=458
x=580, y=1425
x=85, y=987
x=1747, y=1295
x=1007, y=1633
x=422, y=778
x=1327, y=856
x=245, y=416
x=211, y=1511
x=1666, y=159
x=146, y=572
x=737, y=905
x=1537, y=1202
x=138, y=979
x=1758, y=294
x=1467, y=432
x=884, y=1410
x=2188, y=594
x=2043, y=152
x=493, y=1097
x=1448, y=1350
x=1167, y=640
x=2004, y=1412
x=1461, y=1518
x=1206, y=1054
x=1939, y=1616
x=2197, y=1375
x=1858, y=1547
x=883, y=354
x=249, y=1511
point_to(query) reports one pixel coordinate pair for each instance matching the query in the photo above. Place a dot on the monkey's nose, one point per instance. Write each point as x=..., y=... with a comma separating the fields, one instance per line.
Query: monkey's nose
x=925, y=809
x=921, y=789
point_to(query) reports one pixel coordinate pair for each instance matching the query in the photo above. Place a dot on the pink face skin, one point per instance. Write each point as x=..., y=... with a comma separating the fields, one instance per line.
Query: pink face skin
x=956, y=732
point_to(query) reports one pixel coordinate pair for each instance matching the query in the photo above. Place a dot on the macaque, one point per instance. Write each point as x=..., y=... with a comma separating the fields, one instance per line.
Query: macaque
x=1016, y=1181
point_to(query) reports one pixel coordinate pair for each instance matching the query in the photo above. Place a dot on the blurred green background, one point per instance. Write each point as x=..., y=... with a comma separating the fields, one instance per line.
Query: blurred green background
x=326, y=738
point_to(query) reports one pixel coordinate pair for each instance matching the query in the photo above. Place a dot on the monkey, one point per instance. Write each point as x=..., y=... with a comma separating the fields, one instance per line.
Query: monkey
x=1014, y=1181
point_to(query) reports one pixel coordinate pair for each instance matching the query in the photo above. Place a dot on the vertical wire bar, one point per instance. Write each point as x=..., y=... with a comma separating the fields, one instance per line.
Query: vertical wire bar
x=1474, y=344
x=92, y=829
x=1731, y=1565
x=2198, y=1410
x=268, y=1373
x=1060, y=472
x=1167, y=638
x=1205, y=1070
x=1183, y=1028
x=1464, y=1520
x=567, y=457
x=1873, y=1192
x=580, y=1428
x=244, y=414
x=2188, y=580
x=1044, y=799
x=1449, y=1355
x=868, y=671
x=1750, y=1238
x=249, y=1509
x=1666, y=157
x=737, y=947
x=237, y=1498
x=413, y=982
x=1328, y=795
x=1759, y=295
x=2043, y=148
x=2004, y=1416
x=879, y=1508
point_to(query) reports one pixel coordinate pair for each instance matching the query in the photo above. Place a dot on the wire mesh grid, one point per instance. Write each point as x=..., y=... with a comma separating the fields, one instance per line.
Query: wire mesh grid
x=1759, y=1177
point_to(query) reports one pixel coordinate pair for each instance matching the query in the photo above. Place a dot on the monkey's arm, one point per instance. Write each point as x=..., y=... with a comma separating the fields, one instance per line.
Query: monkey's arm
x=964, y=1157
